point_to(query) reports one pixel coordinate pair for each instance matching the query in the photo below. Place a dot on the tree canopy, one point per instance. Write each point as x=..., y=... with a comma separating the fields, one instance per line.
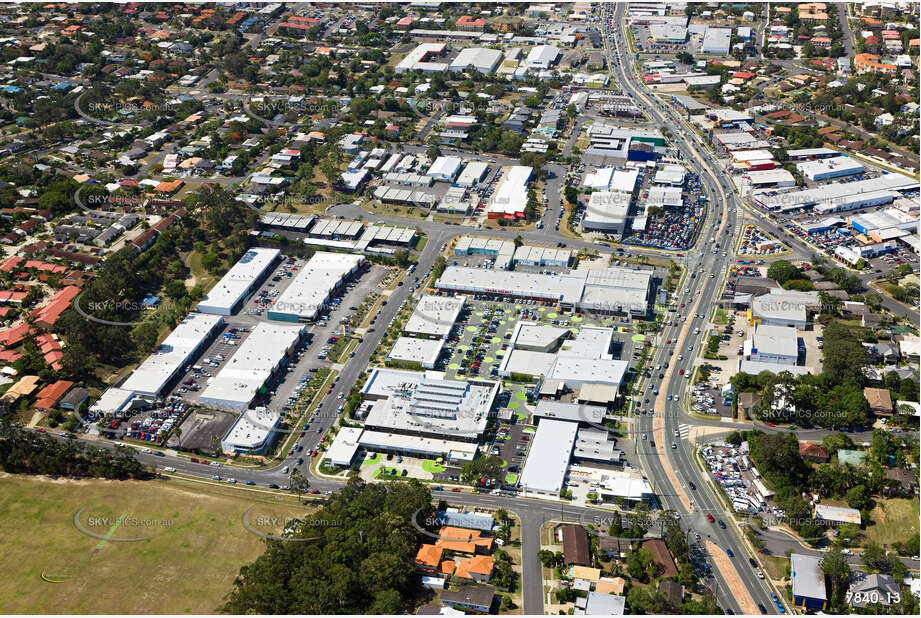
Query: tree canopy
x=362, y=563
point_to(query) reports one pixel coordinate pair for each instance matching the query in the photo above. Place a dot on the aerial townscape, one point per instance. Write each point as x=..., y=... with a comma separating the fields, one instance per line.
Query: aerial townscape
x=437, y=308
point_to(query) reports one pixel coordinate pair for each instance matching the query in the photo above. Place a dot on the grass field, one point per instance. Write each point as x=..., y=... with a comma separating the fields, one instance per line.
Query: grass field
x=893, y=520
x=196, y=544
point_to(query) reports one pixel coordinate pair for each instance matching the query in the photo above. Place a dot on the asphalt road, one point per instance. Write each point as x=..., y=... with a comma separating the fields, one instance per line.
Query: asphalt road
x=723, y=204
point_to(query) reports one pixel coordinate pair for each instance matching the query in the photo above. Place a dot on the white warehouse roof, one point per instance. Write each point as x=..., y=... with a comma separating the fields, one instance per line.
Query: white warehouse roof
x=344, y=446
x=173, y=354
x=482, y=59
x=547, y=462
x=445, y=168
x=434, y=315
x=670, y=175
x=310, y=289
x=416, y=59
x=238, y=281
x=422, y=351
x=254, y=362
x=511, y=197
x=542, y=56
x=830, y=167
x=251, y=431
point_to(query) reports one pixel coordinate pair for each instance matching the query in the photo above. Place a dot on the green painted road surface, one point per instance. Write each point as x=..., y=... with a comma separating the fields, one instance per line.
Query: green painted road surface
x=488, y=359
x=576, y=319
x=372, y=460
x=520, y=416
x=454, y=366
x=384, y=470
x=552, y=315
x=432, y=467
x=472, y=329
x=511, y=478
x=638, y=338
x=528, y=430
x=541, y=309
x=462, y=348
x=514, y=404
x=496, y=339
x=521, y=396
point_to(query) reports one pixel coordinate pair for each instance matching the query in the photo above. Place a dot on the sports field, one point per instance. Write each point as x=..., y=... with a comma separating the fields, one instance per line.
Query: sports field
x=196, y=542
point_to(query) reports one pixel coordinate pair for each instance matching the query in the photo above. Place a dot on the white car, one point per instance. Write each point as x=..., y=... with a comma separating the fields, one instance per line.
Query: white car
x=169, y=469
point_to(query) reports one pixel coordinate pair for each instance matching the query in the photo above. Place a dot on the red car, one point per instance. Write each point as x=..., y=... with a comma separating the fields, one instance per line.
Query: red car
x=682, y=304
x=455, y=489
x=314, y=491
x=710, y=518
x=41, y=430
x=314, y=453
x=681, y=372
x=302, y=434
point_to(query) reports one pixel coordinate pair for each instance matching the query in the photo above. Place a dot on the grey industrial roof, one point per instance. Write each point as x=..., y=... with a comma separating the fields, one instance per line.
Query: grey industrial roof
x=559, y=410
x=473, y=521
x=598, y=604
x=808, y=578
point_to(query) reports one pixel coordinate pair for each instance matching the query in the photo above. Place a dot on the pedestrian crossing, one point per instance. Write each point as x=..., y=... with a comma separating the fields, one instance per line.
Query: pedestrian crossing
x=684, y=430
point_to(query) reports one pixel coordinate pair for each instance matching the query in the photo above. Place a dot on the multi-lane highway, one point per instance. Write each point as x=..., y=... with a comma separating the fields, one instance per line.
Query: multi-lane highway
x=665, y=465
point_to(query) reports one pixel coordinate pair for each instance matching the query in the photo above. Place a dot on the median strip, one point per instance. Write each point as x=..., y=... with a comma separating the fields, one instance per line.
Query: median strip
x=736, y=586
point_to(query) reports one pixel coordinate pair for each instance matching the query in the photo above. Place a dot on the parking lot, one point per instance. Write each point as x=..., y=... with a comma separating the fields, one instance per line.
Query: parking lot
x=757, y=242
x=672, y=228
x=706, y=399
x=152, y=425
x=481, y=338
x=828, y=240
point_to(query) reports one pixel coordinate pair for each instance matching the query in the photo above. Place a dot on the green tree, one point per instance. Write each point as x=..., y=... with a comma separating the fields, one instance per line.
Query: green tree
x=298, y=482
x=859, y=498
x=835, y=566
x=782, y=271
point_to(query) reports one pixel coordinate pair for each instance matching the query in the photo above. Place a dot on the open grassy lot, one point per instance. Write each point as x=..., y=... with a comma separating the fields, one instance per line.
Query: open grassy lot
x=893, y=519
x=196, y=544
